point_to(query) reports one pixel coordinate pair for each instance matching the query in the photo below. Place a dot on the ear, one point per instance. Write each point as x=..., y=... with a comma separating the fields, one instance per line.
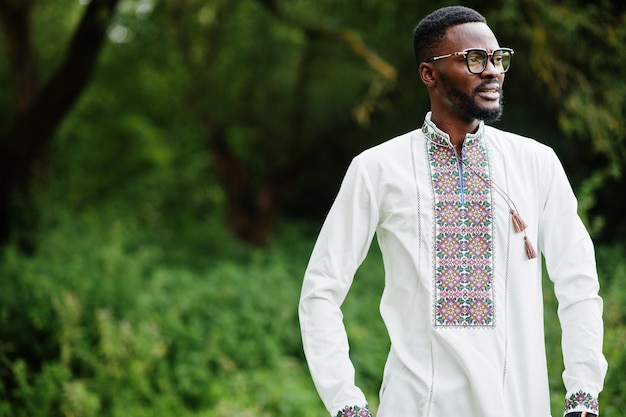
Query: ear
x=427, y=74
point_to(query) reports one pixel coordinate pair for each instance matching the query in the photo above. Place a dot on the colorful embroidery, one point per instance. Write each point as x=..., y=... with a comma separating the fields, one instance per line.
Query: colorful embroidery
x=355, y=411
x=463, y=235
x=583, y=399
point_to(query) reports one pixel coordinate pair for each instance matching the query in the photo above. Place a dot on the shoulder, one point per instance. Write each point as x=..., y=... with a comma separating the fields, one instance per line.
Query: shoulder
x=525, y=157
x=504, y=138
x=388, y=162
x=389, y=151
x=517, y=146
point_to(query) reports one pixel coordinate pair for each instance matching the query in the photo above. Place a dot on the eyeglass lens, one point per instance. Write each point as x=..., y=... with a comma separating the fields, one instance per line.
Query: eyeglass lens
x=477, y=60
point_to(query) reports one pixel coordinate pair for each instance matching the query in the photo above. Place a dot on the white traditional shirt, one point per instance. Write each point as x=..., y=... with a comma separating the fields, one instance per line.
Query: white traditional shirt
x=462, y=300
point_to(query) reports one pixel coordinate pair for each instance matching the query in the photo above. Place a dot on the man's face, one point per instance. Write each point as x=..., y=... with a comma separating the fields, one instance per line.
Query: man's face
x=469, y=96
x=468, y=104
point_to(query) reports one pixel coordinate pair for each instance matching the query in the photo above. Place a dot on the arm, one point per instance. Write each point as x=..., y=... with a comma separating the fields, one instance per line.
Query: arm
x=570, y=261
x=341, y=246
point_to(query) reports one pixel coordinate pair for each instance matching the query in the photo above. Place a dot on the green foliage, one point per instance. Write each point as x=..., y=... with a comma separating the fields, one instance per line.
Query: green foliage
x=106, y=320
x=137, y=301
x=279, y=85
x=113, y=317
x=54, y=19
x=572, y=54
x=284, y=92
x=613, y=272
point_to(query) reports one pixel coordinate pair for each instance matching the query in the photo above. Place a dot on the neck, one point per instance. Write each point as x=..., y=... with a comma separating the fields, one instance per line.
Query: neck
x=454, y=127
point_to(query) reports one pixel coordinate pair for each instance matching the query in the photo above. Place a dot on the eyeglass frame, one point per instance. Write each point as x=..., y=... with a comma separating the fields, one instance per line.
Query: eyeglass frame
x=467, y=51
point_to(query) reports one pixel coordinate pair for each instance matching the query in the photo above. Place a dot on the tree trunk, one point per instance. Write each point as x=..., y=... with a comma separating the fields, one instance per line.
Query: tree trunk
x=39, y=113
x=251, y=210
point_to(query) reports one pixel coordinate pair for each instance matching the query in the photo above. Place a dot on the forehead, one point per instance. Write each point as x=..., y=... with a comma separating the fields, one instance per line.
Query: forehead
x=469, y=35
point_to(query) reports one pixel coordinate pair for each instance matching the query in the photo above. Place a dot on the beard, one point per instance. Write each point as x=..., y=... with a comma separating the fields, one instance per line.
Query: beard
x=466, y=104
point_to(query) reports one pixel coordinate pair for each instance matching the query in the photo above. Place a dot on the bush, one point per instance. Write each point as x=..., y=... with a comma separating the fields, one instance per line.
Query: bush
x=107, y=321
x=119, y=318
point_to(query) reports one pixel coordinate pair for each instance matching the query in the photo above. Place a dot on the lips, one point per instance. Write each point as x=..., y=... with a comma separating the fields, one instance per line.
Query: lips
x=490, y=91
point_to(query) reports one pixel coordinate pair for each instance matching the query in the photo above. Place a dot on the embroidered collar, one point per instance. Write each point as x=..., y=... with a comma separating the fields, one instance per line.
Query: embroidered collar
x=439, y=137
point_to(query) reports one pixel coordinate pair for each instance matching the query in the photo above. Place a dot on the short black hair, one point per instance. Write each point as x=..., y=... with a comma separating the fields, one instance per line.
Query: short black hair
x=431, y=30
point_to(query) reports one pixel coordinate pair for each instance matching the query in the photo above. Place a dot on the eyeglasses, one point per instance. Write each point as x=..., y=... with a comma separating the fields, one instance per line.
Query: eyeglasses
x=476, y=59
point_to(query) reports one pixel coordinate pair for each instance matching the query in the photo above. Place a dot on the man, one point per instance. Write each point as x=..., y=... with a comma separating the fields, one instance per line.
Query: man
x=462, y=213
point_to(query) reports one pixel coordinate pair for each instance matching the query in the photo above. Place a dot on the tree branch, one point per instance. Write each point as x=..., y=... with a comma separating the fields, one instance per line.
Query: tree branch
x=34, y=125
x=30, y=132
x=15, y=17
x=385, y=72
x=349, y=36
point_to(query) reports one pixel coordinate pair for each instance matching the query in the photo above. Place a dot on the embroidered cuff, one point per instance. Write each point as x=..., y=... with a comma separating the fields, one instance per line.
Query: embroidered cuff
x=581, y=401
x=354, y=411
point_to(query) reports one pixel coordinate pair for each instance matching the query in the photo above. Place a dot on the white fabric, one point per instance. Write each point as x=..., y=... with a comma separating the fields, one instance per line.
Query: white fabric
x=434, y=371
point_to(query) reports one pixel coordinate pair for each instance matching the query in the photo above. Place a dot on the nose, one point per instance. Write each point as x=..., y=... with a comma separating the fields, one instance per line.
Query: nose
x=490, y=70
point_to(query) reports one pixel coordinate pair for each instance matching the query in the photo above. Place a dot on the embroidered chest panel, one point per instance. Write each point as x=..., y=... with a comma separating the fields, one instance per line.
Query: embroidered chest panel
x=463, y=292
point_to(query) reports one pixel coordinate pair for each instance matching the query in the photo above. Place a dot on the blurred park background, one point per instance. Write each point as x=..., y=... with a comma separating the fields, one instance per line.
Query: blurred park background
x=165, y=166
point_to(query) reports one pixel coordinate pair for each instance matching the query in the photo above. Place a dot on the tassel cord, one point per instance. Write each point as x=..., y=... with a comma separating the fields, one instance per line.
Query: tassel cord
x=518, y=224
x=507, y=199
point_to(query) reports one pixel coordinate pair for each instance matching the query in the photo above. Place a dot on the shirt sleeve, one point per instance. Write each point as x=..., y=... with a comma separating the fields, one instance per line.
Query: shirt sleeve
x=570, y=262
x=341, y=246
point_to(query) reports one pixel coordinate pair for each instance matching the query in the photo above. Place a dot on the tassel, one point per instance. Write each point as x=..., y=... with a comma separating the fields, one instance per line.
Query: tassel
x=518, y=223
x=530, y=251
